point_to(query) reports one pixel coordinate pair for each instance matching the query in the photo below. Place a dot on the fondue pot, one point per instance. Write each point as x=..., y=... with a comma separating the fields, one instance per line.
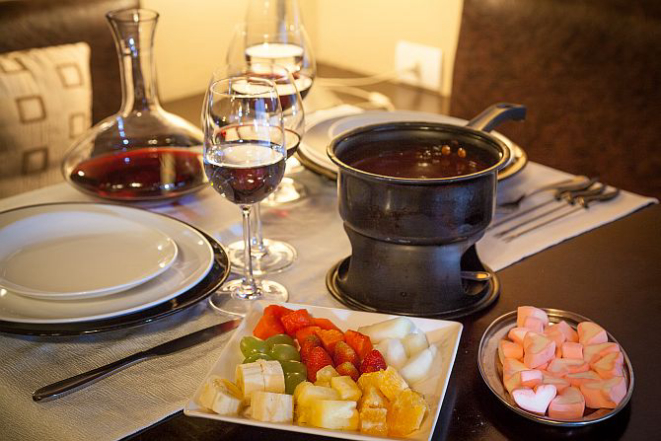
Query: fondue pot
x=411, y=237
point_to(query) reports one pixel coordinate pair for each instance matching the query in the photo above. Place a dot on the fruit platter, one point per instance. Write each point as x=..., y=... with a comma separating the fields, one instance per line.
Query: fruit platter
x=331, y=372
x=555, y=367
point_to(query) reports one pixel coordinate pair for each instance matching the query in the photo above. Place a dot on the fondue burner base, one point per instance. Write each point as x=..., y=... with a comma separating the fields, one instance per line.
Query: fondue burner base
x=489, y=292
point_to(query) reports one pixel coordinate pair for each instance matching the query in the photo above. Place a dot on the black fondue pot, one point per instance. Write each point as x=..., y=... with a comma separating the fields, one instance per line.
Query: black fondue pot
x=411, y=237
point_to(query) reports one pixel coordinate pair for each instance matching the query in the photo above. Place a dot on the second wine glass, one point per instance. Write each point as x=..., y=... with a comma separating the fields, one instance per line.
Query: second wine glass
x=244, y=159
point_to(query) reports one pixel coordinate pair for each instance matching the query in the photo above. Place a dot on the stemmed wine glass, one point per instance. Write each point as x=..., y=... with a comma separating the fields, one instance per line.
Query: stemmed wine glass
x=244, y=159
x=268, y=255
x=271, y=36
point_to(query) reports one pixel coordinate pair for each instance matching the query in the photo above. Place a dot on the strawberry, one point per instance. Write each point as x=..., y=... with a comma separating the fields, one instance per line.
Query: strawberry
x=296, y=320
x=358, y=342
x=316, y=359
x=277, y=310
x=329, y=338
x=343, y=352
x=311, y=341
x=347, y=368
x=373, y=362
x=303, y=333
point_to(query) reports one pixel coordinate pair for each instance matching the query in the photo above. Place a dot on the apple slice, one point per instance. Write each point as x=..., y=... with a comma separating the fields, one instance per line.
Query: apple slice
x=604, y=394
x=592, y=353
x=560, y=367
x=572, y=350
x=537, y=350
x=582, y=377
x=568, y=405
x=509, y=349
x=530, y=311
x=518, y=334
x=536, y=401
x=590, y=333
x=609, y=366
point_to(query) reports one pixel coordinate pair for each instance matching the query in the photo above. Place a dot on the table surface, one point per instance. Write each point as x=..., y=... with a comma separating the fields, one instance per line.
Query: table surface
x=609, y=275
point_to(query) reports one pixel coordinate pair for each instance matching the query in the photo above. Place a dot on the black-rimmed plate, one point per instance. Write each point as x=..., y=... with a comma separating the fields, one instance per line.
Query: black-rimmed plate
x=492, y=371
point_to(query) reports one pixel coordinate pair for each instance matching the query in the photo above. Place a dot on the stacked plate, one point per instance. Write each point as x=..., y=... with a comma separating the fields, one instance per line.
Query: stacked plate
x=318, y=136
x=77, y=268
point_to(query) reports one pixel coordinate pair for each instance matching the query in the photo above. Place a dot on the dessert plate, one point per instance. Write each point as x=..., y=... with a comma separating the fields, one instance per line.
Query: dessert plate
x=194, y=260
x=76, y=253
x=492, y=372
x=317, y=138
x=444, y=334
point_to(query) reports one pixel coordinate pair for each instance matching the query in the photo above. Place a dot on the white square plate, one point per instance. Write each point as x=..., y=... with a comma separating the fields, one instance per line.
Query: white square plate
x=442, y=333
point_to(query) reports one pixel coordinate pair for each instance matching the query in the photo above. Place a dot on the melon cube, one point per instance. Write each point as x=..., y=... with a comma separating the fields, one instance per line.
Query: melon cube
x=346, y=387
x=414, y=343
x=406, y=413
x=373, y=421
x=334, y=414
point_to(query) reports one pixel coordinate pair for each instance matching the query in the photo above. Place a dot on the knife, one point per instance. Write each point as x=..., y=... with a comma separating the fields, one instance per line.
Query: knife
x=80, y=381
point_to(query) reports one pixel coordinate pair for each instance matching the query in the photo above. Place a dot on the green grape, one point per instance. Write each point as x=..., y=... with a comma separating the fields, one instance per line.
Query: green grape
x=256, y=356
x=280, y=339
x=284, y=352
x=291, y=366
x=292, y=380
x=250, y=345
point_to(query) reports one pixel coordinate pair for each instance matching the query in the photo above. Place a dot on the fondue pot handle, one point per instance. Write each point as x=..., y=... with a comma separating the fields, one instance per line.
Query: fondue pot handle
x=495, y=114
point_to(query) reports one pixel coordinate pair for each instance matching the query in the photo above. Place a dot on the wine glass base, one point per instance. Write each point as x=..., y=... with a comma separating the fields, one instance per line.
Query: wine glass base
x=288, y=191
x=277, y=257
x=227, y=301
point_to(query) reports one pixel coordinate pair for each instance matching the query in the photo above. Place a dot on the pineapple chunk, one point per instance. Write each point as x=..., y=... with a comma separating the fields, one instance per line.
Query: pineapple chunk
x=302, y=385
x=372, y=398
x=322, y=383
x=370, y=378
x=272, y=407
x=315, y=393
x=326, y=373
x=406, y=413
x=334, y=414
x=373, y=421
x=346, y=387
x=391, y=383
x=302, y=414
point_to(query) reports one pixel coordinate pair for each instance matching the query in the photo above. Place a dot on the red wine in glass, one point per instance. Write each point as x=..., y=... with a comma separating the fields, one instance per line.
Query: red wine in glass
x=141, y=174
x=244, y=172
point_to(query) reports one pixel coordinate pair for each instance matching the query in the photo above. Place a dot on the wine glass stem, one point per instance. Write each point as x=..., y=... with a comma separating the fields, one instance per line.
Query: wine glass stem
x=250, y=290
x=258, y=236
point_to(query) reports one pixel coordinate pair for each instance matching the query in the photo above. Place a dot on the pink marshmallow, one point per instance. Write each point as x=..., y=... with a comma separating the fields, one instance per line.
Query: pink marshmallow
x=531, y=378
x=568, y=405
x=512, y=366
x=517, y=334
x=590, y=333
x=559, y=383
x=536, y=401
x=534, y=324
x=604, y=394
x=582, y=377
x=508, y=349
x=560, y=367
x=537, y=350
x=530, y=311
x=609, y=366
x=572, y=350
x=570, y=333
x=555, y=334
x=592, y=353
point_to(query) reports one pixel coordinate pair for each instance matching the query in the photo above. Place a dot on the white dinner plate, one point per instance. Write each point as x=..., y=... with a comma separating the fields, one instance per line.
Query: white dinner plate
x=194, y=260
x=319, y=135
x=78, y=254
x=442, y=333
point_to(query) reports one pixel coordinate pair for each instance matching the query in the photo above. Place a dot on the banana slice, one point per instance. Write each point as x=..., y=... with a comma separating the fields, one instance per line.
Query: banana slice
x=249, y=378
x=272, y=407
x=221, y=396
x=274, y=377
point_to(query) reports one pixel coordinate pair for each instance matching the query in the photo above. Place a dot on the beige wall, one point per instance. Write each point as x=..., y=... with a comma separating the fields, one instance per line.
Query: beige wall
x=355, y=34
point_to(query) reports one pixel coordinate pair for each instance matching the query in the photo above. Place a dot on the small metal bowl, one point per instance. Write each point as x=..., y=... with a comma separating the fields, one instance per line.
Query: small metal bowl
x=492, y=370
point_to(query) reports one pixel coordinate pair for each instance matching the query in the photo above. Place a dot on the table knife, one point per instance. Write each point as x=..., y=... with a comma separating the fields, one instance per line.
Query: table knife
x=80, y=381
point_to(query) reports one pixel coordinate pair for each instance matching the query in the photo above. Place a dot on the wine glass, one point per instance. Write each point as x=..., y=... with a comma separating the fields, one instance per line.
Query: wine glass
x=280, y=40
x=268, y=255
x=244, y=159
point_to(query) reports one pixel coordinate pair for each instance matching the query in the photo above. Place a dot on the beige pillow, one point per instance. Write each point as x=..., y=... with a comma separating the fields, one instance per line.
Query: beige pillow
x=45, y=104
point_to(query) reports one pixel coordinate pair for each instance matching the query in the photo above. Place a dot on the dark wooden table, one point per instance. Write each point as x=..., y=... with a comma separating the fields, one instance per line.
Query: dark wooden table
x=610, y=275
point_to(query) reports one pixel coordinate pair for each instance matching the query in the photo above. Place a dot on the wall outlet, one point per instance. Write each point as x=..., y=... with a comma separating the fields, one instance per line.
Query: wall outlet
x=425, y=62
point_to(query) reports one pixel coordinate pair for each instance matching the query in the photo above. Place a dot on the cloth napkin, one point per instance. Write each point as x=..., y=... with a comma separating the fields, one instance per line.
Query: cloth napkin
x=150, y=391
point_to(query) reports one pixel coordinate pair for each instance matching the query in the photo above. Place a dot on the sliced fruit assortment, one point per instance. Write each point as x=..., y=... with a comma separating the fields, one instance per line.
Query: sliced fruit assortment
x=353, y=380
x=559, y=371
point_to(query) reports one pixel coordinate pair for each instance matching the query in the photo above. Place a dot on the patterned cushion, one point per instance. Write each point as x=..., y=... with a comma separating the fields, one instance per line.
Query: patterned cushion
x=45, y=104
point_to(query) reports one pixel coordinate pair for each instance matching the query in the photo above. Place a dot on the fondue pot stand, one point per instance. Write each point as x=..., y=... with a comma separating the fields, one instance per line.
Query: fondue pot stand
x=412, y=237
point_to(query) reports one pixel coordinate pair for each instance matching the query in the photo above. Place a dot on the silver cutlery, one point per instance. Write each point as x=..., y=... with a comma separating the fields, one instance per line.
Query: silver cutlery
x=562, y=192
x=80, y=381
x=583, y=204
x=560, y=186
